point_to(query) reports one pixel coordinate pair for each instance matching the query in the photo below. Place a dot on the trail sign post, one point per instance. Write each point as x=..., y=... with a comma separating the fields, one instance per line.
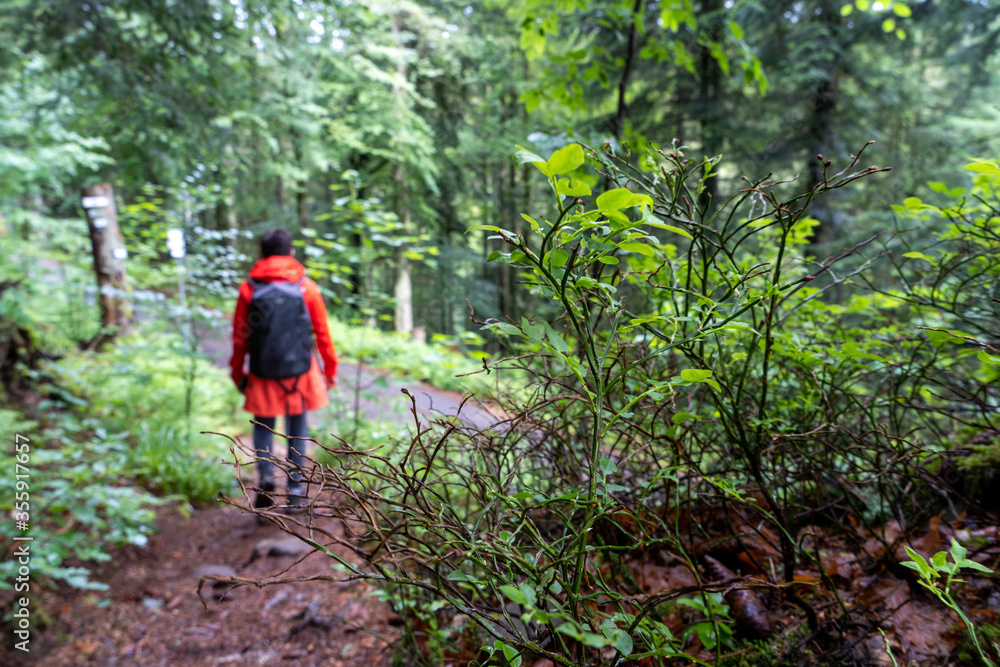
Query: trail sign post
x=109, y=250
x=178, y=249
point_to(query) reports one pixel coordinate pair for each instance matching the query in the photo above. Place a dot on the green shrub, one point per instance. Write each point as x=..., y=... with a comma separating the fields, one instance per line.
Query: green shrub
x=151, y=388
x=660, y=369
x=81, y=502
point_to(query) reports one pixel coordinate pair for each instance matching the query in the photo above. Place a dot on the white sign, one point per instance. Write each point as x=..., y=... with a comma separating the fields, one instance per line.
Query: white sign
x=100, y=223
x=175, y=242
x=95, y=202
x=120, y=253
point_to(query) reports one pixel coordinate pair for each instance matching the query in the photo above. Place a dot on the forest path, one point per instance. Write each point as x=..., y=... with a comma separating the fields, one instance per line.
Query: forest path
x=151, y=613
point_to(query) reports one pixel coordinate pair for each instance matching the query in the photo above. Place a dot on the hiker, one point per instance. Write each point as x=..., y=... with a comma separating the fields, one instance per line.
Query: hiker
x=280, y=321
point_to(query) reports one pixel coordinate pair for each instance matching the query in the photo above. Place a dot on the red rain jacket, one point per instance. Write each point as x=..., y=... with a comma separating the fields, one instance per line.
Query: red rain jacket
x=271, y=398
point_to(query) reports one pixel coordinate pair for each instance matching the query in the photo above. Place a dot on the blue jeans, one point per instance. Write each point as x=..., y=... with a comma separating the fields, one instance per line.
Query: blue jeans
x=263, y=439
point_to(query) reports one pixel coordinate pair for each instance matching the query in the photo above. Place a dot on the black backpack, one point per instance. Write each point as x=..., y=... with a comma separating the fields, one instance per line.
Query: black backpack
x=281, y=337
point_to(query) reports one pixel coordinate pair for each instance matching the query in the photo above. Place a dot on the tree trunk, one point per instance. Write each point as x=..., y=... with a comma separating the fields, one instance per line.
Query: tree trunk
x=403, y=291
x=820, y=130
x=710, y=77
x=280, y=195
x=109, y=257
x=618, y=127
x=225, y=210
x=302, y=204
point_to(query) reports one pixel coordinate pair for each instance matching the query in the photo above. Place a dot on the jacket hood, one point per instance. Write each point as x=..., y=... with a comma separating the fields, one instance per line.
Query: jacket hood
x=278, y=267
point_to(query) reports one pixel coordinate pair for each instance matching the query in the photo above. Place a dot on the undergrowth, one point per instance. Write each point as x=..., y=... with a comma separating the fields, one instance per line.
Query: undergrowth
x=698, y=397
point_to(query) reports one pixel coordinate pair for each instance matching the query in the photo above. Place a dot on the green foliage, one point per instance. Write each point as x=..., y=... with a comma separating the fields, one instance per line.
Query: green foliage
x=593, y=56
x=46, y=281
x=365, y=234
x=38, y=148
x=931, y=571
x=518, y=527
x=80, y=503
x=115, y=429
x=140, y=388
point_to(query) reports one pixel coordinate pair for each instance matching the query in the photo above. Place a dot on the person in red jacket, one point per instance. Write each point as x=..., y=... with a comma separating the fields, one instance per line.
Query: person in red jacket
x=266, y=398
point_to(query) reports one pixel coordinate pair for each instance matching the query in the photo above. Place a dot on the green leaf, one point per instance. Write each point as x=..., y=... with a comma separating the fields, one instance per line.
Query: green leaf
x=534, y=332
x=458, y=575
x=901, y=10
x=623, y=643
x=695, y=375
x=846, y=10
x=621, y=640
x=973, y=565
x=566, y=159
x=607, y=466
x=737, y=31
x=958, y=552
x=509, y=329
x=719, y=53
x=513, y=593
x=619, y=198
x=987, y=358
x=572, y=188
x=671, y=228
x=530, y=599
x=939, y=559
x=557, y=257
x=510, y=653
x=606, y=259
x=557, y=341
x=918, y=255
x=889, y=25
x=531, y=221
x=637, y=246
x=913, y=203
x=593, y=640
x=925, y=570
x=984, y=167
x=682, y=417
x=523, y=156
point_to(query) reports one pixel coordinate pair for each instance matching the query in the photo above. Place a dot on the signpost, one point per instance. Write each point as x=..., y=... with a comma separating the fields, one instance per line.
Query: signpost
x=177, y=248
x=109, y=251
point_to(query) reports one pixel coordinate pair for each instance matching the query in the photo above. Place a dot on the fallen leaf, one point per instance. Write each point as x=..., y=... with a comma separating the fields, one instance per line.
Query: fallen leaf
x=86, y=646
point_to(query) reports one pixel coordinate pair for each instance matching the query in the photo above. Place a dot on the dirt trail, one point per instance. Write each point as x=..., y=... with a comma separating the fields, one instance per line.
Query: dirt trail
x=151, y=613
